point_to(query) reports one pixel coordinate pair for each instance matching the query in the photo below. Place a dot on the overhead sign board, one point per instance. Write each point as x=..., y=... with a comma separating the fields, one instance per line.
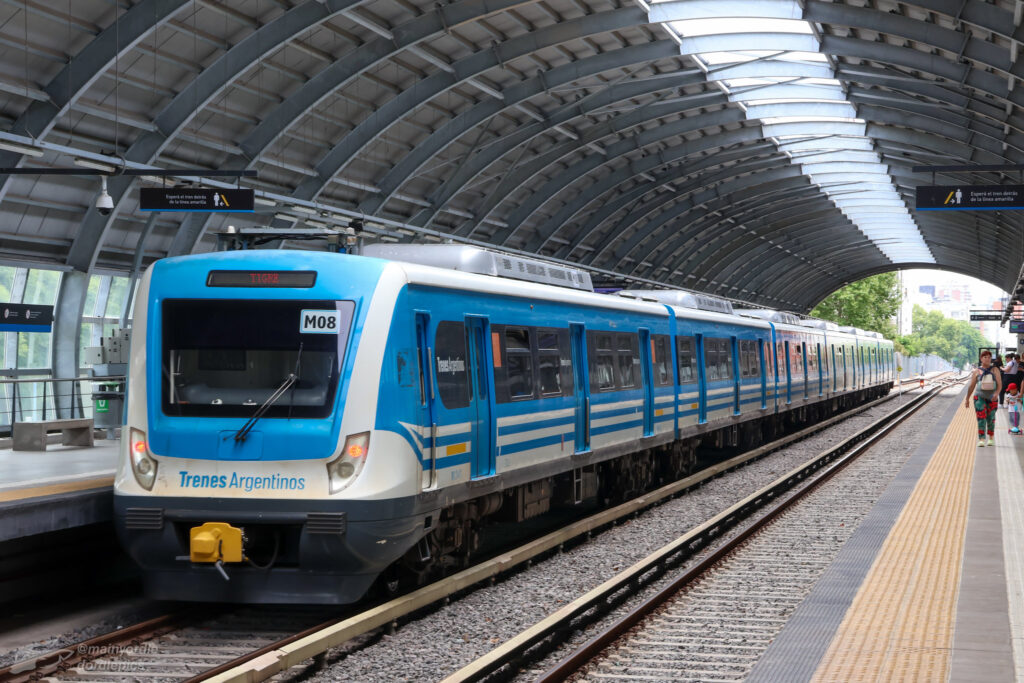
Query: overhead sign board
x=195, y=199
x=1017, y=326
x=25, y=318
x=986, y=315
x=969, y=197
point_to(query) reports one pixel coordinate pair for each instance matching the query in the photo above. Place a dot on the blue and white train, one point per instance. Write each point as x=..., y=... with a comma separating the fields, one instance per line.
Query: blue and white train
x=301, y=424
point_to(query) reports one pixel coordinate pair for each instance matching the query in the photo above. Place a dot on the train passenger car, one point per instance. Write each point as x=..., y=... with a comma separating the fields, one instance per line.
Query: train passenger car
x=301, y=424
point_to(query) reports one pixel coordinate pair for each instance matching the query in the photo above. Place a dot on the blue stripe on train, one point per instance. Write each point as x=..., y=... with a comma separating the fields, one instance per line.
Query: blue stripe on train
x=513, y=448
x=597, y=413
x=542, y=424
x=607, y=429
x=452, y=461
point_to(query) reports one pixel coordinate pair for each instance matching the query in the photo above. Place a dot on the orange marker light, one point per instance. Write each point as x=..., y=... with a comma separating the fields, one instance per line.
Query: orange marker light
x=356, y=451
x=140, y=446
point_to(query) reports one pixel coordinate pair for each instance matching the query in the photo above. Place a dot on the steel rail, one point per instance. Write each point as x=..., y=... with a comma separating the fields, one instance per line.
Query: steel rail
x=597, y=602
x=312, y=642
x=277, y=657
x=58, y=661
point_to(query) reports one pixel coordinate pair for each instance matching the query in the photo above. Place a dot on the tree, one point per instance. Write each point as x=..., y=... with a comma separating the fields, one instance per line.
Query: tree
x=954, y=340
x=869, y=304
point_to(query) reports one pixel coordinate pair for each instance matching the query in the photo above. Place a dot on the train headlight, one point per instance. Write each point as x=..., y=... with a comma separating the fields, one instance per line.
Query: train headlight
x=342, y=470
x=143, y=466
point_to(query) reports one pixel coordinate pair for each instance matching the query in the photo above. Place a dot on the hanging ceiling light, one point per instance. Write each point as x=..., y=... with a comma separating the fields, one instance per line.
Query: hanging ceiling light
x=21, y=149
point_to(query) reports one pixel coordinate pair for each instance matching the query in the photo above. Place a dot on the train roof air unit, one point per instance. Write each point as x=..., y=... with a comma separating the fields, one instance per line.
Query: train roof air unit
x=470, y=259
x=676, y=297
x=771, y=315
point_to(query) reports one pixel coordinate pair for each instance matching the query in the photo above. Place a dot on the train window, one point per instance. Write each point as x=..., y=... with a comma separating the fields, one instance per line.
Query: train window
x=629, y=361
x=718, y=358
x=796, y=359
x=725, y=359
x=450, y=357
x=661, y=360
x=750, y=364
x=226, y=358
x=565, y=362
x=711, y=359
x=549, y=363
x=687, y=360
x=602, y=361
x=520, y=363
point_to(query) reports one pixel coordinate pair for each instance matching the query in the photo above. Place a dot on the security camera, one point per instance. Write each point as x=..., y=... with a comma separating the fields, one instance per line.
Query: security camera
x=104, y=203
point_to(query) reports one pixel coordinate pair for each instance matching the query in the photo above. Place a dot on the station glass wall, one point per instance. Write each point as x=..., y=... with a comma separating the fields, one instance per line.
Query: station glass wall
x=105, y=302
x=27, y=356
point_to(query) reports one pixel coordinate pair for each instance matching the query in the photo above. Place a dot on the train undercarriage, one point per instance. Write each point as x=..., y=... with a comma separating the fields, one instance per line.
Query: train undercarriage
x=455, y=535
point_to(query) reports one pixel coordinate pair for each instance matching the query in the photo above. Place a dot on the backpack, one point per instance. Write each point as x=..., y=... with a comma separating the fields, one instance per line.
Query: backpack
x=988, y=379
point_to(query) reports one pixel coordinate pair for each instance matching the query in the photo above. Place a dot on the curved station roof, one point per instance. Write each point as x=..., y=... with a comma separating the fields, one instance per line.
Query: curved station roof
x=761, y=150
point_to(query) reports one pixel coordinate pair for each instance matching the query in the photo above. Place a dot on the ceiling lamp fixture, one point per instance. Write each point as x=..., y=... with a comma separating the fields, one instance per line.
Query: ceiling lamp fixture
x=21, y=149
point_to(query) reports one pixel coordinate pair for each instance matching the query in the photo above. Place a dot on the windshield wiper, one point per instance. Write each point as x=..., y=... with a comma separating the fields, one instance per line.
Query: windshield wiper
x=242, y=433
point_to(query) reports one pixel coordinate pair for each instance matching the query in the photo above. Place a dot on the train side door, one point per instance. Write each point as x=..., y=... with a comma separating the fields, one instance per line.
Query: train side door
x=647, y=374
x=789, y=375
x=773, y=361
x=428, y=420
x=737, y=360
x=822, y=369
x=807, y=379
x=835, y=378
x=764, y=374
x=702, y=384
x=478, y=335
x=581, y=384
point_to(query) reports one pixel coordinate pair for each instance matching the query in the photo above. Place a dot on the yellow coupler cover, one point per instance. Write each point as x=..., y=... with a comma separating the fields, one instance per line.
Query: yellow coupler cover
x=215, y=541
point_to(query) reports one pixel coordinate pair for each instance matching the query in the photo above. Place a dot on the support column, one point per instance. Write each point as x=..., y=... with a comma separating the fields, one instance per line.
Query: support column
x=67, y=316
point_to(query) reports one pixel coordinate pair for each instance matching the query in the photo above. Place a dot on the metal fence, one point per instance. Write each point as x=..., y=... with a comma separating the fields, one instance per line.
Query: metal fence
x=46, y=398
x=923, y=364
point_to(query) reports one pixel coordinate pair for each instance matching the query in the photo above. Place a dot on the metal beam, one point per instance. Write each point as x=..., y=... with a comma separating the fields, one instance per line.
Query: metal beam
x=526, y=207
x=521, y=92
x=692, y=173
x=392, y=111
x=638, y=212
x=82, y=71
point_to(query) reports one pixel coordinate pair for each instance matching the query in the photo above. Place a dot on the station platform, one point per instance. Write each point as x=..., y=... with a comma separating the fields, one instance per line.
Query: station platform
x=930, y=587
x=61, y=488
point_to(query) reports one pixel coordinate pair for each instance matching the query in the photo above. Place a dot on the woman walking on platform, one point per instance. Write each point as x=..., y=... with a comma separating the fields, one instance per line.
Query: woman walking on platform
x=989, y=381
x=1008, y=374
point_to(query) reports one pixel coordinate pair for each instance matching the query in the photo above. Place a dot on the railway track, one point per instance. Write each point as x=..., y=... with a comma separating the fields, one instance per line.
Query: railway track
x=238, y=645
x=743, y=621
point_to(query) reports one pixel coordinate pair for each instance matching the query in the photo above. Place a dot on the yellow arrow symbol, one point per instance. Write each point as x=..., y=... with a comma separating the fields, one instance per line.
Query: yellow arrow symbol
x=225, y=200
x=945, y=202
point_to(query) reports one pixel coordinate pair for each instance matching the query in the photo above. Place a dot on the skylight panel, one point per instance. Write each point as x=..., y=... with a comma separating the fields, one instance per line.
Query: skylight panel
x=758, y=81
x=714, y=26
x=717, y=58
x=769, y=62
x=800, y=143
x=775, y=120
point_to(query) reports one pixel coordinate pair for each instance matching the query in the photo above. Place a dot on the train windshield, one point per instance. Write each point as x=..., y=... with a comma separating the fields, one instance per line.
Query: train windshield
x=225, y=358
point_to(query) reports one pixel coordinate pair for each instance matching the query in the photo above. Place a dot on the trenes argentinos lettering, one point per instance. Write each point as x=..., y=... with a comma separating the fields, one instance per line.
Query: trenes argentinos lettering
x=272, y=482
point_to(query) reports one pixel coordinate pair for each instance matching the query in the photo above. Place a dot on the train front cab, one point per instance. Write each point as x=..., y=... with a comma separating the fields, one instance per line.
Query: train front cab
x=272, y=473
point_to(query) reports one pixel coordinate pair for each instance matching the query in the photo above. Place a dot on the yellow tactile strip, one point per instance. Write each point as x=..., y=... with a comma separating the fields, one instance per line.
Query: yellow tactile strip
x=66, y=487
x=900, y=625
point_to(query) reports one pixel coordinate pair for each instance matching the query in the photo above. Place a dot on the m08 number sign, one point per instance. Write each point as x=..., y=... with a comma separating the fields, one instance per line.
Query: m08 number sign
x=312, y=321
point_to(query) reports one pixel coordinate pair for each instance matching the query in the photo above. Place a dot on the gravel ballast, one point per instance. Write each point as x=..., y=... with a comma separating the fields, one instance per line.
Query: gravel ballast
x=451, y=637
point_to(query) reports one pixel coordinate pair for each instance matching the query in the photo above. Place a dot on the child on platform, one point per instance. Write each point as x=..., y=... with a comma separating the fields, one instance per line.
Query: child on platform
x=1013, y=407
